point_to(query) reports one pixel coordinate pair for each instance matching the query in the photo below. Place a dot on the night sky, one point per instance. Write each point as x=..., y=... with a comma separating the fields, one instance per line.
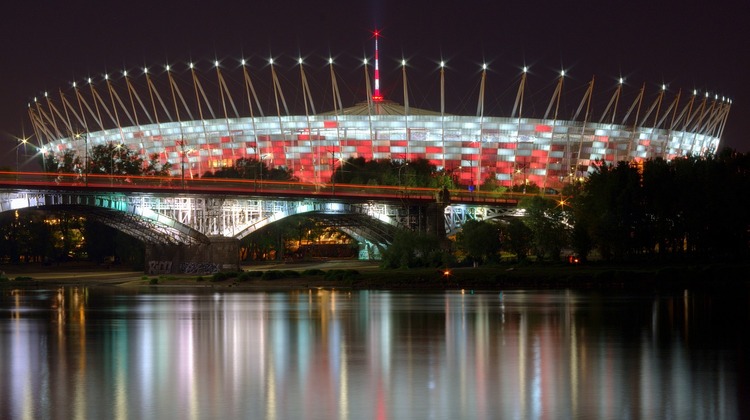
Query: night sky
x=685, y=45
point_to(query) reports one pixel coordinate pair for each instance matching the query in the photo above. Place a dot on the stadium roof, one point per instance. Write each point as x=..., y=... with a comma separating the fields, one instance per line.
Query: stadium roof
x=384, y=107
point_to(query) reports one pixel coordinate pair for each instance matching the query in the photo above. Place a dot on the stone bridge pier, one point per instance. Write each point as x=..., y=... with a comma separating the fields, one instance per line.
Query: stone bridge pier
x=220, y=254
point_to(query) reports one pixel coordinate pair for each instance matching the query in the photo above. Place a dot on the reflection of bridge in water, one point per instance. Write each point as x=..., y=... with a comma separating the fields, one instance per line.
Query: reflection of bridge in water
x=202, y=220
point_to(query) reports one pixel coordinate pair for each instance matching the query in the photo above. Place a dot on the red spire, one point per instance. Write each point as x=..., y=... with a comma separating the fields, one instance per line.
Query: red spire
x=376, y=96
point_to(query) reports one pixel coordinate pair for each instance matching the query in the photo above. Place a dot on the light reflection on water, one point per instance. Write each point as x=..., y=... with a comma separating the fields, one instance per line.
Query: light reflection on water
x=88, y=353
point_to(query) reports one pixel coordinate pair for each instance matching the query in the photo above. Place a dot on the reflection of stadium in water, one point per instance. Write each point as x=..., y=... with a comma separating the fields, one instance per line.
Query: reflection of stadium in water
x=186, y=122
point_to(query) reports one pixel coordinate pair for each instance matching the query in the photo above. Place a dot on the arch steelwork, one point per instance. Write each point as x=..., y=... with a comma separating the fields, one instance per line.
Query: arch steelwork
x=120, y=211
x=458, y=214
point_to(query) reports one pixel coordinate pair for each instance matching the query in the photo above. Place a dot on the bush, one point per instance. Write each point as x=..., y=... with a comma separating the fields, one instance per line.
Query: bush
x=223, y=275
x=23, y=278
x=291, y=273
x=347, y=275
x=272, y=275
x=154, y=280
x=313, y=272
x=247, y=275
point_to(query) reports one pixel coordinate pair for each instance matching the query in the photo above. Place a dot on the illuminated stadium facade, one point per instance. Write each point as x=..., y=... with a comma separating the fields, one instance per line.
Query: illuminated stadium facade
x=198, y=126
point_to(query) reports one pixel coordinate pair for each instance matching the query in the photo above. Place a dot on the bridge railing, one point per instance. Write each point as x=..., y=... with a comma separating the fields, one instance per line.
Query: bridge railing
x=141, y=183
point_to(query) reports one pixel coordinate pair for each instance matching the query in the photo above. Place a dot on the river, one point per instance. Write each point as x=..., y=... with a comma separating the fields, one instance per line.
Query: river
x=159, y=353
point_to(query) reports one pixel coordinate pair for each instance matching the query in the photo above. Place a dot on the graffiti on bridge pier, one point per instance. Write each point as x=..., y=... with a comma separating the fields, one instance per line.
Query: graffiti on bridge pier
x=165, y=267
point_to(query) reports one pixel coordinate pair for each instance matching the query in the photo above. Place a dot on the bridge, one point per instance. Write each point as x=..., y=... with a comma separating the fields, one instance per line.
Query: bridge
x=195, y=224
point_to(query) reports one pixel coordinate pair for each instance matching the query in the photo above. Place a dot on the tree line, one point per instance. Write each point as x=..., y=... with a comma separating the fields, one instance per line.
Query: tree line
x=696, y=207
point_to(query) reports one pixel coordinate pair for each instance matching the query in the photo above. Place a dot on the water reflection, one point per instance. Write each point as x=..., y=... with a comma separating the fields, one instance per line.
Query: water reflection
x=91, y=353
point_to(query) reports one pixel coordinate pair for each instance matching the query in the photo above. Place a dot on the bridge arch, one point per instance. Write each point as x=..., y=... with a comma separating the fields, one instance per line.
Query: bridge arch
x=112, y=209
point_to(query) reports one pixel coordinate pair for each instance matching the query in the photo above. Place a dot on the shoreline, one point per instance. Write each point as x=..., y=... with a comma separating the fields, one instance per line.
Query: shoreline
x=367, y=276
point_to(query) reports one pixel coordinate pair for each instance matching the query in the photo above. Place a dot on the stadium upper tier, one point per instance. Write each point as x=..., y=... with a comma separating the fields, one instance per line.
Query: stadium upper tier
x=198, y=130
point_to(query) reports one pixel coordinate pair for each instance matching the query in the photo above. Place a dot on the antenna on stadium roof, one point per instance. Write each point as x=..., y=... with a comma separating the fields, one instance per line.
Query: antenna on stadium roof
x=376, y=96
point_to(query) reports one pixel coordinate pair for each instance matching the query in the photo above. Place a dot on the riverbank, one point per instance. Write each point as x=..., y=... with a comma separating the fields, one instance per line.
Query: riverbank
x=366, y=275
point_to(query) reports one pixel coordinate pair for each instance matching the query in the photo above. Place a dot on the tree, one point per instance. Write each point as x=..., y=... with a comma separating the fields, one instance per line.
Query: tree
x=411, y=249
x=250, y=168
x=114, y=159
x=480, y=240
x=416, y=173
x=546, y=220
x=517, y=238
x=156, y=168
x=65, y=162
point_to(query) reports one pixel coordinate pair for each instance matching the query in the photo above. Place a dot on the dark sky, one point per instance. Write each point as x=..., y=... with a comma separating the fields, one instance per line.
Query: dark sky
x=687, y=45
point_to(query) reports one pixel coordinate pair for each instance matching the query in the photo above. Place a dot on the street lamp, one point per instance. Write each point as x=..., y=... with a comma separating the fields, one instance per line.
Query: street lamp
x=112, y=164
x=85, y=136
x=21, y=141
x=183, y=152
x=260, y=164
x=522, y=168
x=405, y=164
x=333, y=169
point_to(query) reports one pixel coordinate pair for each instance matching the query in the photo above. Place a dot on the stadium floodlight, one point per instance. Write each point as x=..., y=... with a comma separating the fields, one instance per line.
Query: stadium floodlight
x=166, y=67
x=300, y=61
x=484, y=66
x=442, y=64
x=663, y=87
x=242, y=62
x=106, y=76
x=74, y=85
x=124, y=73
x=622, y=80
x=330, y=60
x=525, y=69
x=145, y=70
x=403, y=62
x=270, y=61
x=216, y=63
x=562, y=73
x=89, y=80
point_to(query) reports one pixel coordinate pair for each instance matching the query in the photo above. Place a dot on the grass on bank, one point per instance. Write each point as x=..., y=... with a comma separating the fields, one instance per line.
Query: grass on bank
x=641, y=275
x=502, y=276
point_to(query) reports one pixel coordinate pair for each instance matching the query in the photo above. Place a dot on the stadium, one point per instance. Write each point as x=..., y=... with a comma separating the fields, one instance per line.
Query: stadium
x=203, y=121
